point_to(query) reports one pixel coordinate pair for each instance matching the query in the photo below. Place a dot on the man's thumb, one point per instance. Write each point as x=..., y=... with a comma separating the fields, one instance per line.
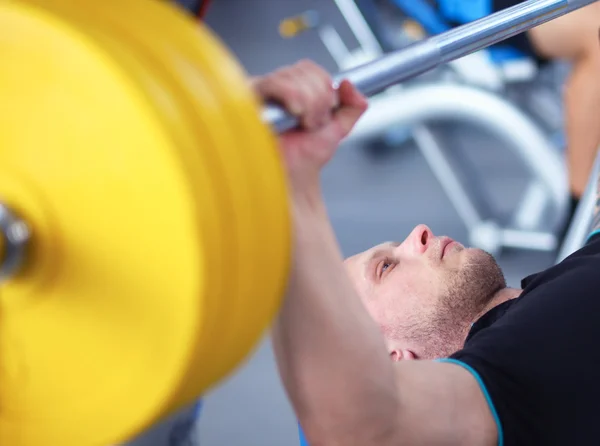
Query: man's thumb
x=352, y=106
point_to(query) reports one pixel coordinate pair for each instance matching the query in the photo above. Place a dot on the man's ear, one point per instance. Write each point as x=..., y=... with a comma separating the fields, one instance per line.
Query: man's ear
x=399, y=355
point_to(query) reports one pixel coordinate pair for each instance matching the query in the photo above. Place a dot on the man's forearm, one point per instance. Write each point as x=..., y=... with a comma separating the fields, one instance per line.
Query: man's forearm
x=330, y=353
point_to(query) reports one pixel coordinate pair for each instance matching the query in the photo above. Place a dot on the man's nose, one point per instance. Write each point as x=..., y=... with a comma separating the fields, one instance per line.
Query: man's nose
x=419, y=239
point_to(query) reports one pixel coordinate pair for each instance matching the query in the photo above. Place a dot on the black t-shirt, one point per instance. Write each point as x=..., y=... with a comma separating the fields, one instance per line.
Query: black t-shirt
x=537, y=357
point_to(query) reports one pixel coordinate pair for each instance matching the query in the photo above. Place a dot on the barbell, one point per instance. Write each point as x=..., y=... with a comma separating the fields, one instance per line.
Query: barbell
x=144, y=227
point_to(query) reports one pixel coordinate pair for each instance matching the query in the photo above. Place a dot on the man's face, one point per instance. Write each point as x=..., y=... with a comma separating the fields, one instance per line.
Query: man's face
x=426, y=291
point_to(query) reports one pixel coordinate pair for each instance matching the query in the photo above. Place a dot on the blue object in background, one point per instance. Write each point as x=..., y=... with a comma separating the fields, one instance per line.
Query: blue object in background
x=455, y=12
x=423, y=13
x=464, y=11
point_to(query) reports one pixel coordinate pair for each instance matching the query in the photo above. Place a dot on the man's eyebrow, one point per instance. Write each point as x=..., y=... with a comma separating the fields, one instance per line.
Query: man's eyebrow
x=375, y=254
x=382, y=250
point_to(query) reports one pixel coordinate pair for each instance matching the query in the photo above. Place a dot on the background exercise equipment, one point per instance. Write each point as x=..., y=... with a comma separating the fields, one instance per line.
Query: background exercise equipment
x=476, y=90
x=399, y=66
x=580, y=227
x=154, y=228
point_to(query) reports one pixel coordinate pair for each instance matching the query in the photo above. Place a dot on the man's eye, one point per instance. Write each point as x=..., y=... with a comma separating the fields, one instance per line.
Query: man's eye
x=386, y=264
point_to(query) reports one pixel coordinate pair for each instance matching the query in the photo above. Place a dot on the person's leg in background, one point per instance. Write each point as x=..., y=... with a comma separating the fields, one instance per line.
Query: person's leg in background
x=575, y=38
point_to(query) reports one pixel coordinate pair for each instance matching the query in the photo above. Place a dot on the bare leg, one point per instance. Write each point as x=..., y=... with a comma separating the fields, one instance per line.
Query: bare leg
x=582, y=103
x=575, y=37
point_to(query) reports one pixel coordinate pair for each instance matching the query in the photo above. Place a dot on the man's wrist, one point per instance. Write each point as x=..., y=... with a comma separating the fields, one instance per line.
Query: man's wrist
x=307, y=198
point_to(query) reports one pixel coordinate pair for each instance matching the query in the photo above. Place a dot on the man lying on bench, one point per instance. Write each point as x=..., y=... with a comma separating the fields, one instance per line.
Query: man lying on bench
x=421, y=342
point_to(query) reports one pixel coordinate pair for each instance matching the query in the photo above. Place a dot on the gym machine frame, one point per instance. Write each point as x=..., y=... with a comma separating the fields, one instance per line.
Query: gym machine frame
x=420, y=57
x=579, y=230
x=541, y=208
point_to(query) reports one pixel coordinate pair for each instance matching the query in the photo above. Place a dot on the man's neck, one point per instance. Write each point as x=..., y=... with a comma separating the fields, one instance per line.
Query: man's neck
x=501, y=296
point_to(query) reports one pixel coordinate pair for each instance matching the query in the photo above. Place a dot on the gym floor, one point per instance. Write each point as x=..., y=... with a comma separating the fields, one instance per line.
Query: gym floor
x=370, y=200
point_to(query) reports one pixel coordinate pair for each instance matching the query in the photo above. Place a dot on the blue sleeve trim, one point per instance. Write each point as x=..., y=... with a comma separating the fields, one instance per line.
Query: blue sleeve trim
x=594, y=233
x=487, y=396
x=303, y=441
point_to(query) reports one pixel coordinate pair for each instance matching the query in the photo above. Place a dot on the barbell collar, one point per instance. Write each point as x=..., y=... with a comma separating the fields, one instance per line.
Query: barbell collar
x=14, y=237
x=420, y=57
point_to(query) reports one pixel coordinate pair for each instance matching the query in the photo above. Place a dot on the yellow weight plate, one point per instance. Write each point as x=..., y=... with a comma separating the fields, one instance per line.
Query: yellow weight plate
x=260, y=154
x=255, y=157
x=196, y=102
x=147, y=72
x=264, y=171
x=270, y=271
x=215, y=305
x=95, y=351
x=267, y=177
x=242, y=310
x=222, y=161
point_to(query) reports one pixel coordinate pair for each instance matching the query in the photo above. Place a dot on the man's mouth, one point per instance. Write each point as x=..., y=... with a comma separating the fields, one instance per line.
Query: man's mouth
x=447, y=243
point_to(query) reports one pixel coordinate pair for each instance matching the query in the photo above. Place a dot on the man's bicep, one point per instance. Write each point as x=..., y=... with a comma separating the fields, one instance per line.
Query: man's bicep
x=444, y=403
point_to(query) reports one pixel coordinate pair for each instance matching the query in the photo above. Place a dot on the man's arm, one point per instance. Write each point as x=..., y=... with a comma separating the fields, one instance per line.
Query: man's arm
x=333, y=361
x=332, y=358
